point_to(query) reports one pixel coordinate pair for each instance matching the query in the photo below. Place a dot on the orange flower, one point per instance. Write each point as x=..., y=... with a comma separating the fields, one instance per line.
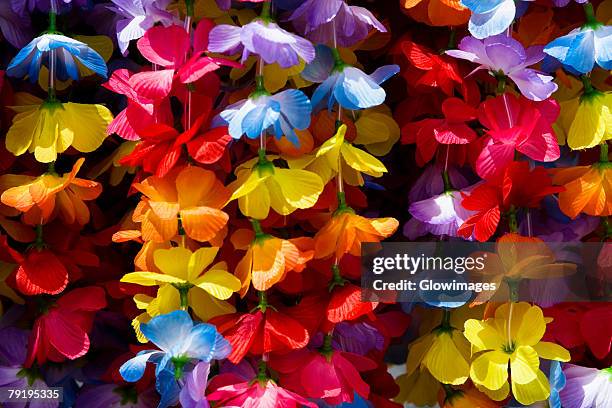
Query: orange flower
x=465, y=396
x=41, y=198
x=190, y=195
x=588, y=189
x=345, y=232
x=437, y=12
x=269, y=259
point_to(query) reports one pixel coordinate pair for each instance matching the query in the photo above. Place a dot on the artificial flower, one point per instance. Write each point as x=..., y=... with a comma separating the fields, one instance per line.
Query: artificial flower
x=180, y=342
x=44, y=197
x=326, y=21
x=586, y=387
x=262, y=331
x=189, y=194
x=515, y=124
x=264, y=38
x=168, y=47
x=585, y=46
x=515, y=339
x=283, y=113
x=345, y=231
x=466, y=396
x=503, y=55
x=437, y=12
x=442, y=214
x=67, y=52
x=338, y=378
x=585, y=119
x=338, y=156
x=195, y=282
x=254, y=394
x=586, y=189
x=429, y=133
x=113, y=163
x=346, y=85
x=268, y=259
x=51, y=127
x=563, y=3
x=490, y=17
x=519, y=187
x=137, y=17
x=161, y=147
x=260, y=185
x=61, y=332
x=140, y=112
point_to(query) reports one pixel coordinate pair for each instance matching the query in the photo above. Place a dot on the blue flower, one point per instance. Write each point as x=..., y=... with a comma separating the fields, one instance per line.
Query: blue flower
x=283, y=112
x=491, y=17
x=584, y=47
x=180, y=342
x=350, y=87
x=29, y=59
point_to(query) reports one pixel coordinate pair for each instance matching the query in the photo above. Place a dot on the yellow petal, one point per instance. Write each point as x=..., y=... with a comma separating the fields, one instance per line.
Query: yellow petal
x=149, y=278
x=218, y=283
x=88, y=123
x=524, y=364
x=255, y=204
x=490, y=369
x=445, y=362
x=531, y=326
x=482, y=335
x=19, y=136
x=206, y=307
x=173, y=262
x=362, y=161
x=199, y=260
x=534, y=391
x=418, y=388
x=300, y=188
x=552, y=351
x=589, y=125
x=418, y=349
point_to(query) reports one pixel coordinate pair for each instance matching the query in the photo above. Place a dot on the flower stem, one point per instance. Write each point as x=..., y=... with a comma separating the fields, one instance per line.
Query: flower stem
x=509, y=326
x=501, y=84
x=263, y=301
x=586, y=82
x=189, y=6
x=52, y=52
x=603, y=152
x=266, y=11
x=446, y=316
x=589, y=13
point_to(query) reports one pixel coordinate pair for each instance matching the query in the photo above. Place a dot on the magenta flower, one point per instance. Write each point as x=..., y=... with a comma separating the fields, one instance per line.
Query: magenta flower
x=318, y=19
x=503, y=55
x=264, y=38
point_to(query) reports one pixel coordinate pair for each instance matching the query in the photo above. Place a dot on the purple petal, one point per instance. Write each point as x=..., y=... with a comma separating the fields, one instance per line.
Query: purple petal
x=533, y=84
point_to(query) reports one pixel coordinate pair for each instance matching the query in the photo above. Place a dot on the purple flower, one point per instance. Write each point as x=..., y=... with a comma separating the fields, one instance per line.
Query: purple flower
x=192, y=394
x=15, y=27
x=442, y=214
x=318, y=19
x=501, y=54
x=13, y=350
x=586, y=387
x=359, y=338
x=138, y=17
x=263, y=38
x=22, y=7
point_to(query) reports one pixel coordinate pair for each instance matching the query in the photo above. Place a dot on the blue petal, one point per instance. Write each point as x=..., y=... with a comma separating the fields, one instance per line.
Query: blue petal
x=383, y=73
x=494, y=22
x=295, y=107
x=603, y=47
x=355, y=90
x=133, y=369
x=260, y=118
x=19, y=65
x=81, y=51
x=235, y=114
x=69, y=67
x=169, y=330
x=201, y=342
x=320, y=68
x=482, y=6
x=323, y=91
x=168, y=388
x=575, y=50
x=34, y=67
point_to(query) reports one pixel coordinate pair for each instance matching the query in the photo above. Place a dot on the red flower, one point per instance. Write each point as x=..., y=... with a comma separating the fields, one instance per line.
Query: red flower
x=428, y=134
x=61, y=332
x=516, y=124
x=260, y=332
x=162, y=146
x=519, y=187
x=581, y=324
x=337, y=377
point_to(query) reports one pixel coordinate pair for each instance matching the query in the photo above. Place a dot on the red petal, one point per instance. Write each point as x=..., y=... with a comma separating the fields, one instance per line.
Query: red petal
x=67, y=338
x=41, y=272
x=282, y=333
x=165, y=46
x=597, y=330
x=209, y=147
x=153, y=84
x=91, y=298
x=346, y=304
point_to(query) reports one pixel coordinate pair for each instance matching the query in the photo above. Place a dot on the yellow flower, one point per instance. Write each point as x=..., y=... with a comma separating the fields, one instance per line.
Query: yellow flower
x=338, y=155
x=377, y=131
x=444, y=352
x=51, y=127
x=182, y=282
x=512, y=336
x=418, y=388
x=586, y=120
x=260, y=185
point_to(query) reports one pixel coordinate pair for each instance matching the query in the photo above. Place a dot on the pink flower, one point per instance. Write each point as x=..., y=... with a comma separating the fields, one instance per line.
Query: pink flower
x=515, y=124
x=254, y=394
